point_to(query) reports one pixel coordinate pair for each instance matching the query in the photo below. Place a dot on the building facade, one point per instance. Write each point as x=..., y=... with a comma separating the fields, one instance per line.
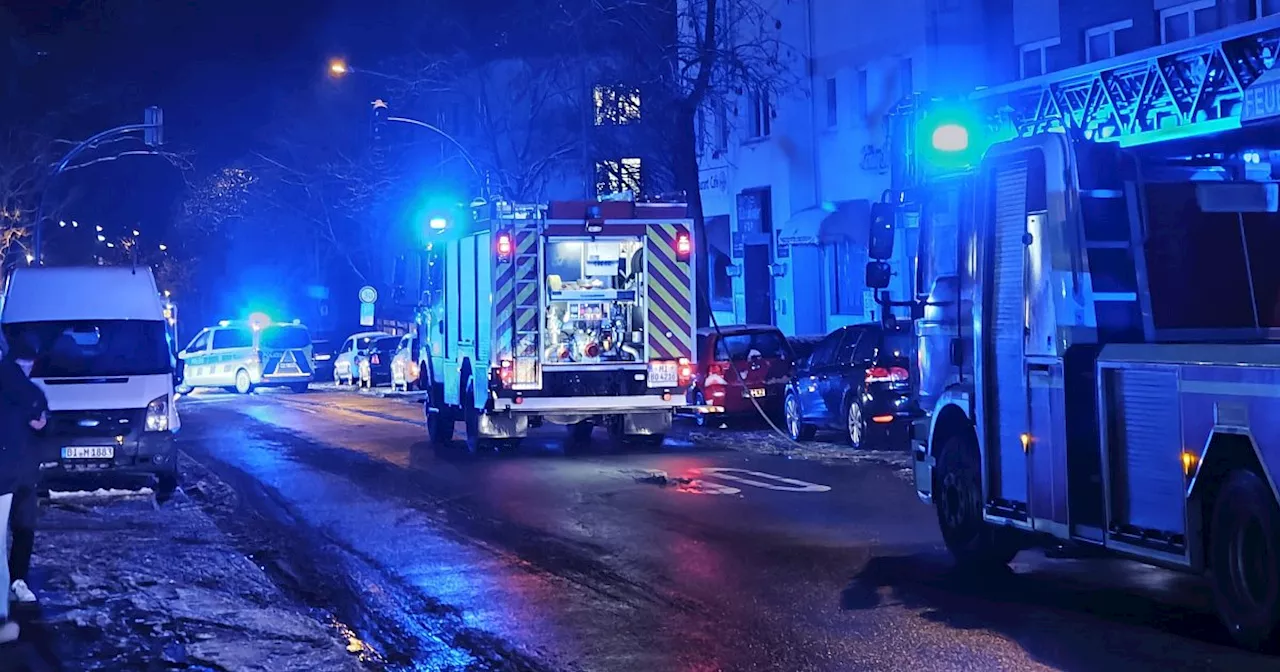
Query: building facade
x=787, y=185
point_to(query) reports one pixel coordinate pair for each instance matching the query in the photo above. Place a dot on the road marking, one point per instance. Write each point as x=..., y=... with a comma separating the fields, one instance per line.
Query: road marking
x=787, y=484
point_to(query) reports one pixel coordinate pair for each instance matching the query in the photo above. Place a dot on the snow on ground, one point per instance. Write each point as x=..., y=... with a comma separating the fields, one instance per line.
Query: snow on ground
x=768, y=442
x=129, y=585
x=100, y=493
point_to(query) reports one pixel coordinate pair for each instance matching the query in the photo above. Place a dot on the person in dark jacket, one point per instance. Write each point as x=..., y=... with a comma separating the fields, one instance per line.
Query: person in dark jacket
x=23, y=409
x=26, y=504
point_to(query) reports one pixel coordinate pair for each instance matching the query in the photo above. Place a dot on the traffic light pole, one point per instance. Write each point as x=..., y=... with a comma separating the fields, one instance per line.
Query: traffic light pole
x=151, y=128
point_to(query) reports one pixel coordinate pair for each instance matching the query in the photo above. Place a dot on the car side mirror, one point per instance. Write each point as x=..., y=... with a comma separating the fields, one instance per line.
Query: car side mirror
x=878, y=274
x=880, y=243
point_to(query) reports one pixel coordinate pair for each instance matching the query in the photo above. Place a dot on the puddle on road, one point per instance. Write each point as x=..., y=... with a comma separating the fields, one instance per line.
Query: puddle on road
x=682, y=484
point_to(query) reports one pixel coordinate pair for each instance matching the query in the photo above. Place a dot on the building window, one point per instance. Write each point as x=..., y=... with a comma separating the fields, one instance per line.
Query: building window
x=1100, y=42
x=1035, y=57
x=1268, y=7
x=615, y=177
x=860, y=102
x=761, y=111
x=1188, y=20
x=848, y=264
x=616, y=105
x=722, y=127
x=906, y=80
x=833, y=110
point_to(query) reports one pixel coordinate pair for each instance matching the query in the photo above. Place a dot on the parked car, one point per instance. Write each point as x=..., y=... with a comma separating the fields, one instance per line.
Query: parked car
x=322, y=354
x=404, y=365
x=373, y=364
x=344, y=360
x=738, y=368
x=858, y=382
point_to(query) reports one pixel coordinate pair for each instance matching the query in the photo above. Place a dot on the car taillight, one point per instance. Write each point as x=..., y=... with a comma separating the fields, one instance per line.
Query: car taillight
x=880, y=374
x=718, y=369
x=684, y=246
x=685, y=372
x=374, y=359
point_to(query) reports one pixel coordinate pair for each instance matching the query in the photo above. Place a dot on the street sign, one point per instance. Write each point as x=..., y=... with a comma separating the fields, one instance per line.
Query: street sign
x=368, y=294
x=366, y=314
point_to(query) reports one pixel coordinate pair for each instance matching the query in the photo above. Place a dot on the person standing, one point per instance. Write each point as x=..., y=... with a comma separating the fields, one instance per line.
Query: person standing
x=26, y=505
x=22, y=409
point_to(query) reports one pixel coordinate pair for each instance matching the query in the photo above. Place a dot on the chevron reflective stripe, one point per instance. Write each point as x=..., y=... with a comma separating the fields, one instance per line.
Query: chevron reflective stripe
x=526, y=294
x=670, y=295
x=504, y=305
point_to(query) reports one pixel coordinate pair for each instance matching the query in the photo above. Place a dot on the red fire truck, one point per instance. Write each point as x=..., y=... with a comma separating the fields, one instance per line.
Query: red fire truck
x=1098, y=314
x=570, y=313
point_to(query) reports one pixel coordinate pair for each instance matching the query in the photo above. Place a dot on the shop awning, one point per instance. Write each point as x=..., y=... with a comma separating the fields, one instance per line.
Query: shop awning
x=845, y=221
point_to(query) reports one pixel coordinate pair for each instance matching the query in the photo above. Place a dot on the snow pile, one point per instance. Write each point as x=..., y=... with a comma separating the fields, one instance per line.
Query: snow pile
x=768, y=442
x=100, y=493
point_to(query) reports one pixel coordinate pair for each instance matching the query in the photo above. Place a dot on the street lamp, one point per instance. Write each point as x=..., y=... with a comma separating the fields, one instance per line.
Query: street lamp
x=338, y=67
x=438, y=223
x=163, y=247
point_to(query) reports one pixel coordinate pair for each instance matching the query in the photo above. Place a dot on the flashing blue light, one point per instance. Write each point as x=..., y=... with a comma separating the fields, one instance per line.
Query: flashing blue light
x=438, y=223
x=950, y=138
x=259, y=320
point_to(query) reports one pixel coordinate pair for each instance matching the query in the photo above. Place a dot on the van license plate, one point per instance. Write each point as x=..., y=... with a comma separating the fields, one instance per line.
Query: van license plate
x=758, y=392
x=88, y=452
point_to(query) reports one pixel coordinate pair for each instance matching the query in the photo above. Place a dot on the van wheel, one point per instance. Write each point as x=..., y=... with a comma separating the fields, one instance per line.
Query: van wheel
x=244, y=385
x=1244, y=559
x=300, y=388
x=166, y=485
x=957, y=496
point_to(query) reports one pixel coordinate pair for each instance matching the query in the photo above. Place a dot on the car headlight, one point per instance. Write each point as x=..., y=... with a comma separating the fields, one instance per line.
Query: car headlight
x=158, y=414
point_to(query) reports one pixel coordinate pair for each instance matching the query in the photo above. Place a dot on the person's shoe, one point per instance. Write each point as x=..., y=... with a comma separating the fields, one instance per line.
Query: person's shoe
x=8, y=632
x=20, y=593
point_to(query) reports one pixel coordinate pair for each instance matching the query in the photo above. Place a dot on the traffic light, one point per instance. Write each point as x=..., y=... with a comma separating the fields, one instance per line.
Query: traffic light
x=378, y=121
x=153, y=120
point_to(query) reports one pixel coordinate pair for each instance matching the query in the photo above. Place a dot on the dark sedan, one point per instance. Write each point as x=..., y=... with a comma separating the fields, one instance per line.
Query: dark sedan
x=857, y=381
x=374, y=362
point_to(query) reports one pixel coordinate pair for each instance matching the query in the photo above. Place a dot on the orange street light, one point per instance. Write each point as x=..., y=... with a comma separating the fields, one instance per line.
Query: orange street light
x=338, y=67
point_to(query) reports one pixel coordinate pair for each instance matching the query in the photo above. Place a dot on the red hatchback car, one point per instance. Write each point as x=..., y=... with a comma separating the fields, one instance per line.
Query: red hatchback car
x=762, y=359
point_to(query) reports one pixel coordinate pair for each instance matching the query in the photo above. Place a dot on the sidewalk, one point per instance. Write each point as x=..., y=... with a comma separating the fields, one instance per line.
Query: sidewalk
x=127, y=585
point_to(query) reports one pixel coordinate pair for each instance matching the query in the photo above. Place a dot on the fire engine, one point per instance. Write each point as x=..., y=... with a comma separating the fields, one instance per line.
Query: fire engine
x=1097, y=314
x=572, y=313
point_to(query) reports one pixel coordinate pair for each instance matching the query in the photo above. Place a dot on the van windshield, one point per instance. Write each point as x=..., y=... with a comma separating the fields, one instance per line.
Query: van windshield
x=285, y=337
x=93, y=348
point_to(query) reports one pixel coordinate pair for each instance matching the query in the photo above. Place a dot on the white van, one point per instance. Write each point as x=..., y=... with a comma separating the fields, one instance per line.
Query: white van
x=105, y=363
x=243, y=356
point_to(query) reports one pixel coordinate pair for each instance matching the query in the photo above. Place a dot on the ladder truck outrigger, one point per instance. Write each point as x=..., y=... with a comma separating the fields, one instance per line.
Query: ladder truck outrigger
x=575, y=313
x=1098, y=313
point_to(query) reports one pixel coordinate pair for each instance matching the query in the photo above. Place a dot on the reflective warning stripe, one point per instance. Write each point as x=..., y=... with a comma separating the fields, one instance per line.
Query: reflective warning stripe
x=526, y=295
x=504, y=310
x=670, y=295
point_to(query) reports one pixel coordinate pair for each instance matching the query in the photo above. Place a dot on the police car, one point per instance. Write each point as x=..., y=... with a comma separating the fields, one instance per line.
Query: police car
x=243, y=356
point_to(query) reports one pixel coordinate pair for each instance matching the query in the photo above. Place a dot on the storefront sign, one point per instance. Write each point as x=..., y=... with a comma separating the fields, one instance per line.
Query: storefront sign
x=714, y=180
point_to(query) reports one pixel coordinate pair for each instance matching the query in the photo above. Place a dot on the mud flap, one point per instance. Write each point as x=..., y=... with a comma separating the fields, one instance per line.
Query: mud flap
x=646, y=424
x=503, y=426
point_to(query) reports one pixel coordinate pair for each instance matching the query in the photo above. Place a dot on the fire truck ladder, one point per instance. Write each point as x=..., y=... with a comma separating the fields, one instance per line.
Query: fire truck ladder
x=1186, y=88
x=528, y=279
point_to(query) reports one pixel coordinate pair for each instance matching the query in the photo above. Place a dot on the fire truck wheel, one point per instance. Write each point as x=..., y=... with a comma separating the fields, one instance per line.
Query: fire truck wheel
x=1244, y=558
x=957, y=496
x=439, y=427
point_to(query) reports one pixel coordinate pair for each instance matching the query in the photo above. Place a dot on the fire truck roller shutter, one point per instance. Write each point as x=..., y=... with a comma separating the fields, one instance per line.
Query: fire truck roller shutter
x=669, y=284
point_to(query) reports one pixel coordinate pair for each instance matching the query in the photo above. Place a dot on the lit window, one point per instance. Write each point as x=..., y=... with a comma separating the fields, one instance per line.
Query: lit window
x=1100, y=42
x=1188, y=20
x=1035, y=58
x=616, y=105
x=615, y=177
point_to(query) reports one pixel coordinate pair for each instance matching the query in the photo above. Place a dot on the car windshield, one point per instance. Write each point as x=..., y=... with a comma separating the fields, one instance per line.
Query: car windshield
x=766, y=344
x=285, y=336
x=93, y=348
x=386, y=346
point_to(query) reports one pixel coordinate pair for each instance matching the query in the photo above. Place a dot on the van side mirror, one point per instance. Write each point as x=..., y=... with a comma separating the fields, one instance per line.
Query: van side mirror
x=880, y=243
x=878, y=274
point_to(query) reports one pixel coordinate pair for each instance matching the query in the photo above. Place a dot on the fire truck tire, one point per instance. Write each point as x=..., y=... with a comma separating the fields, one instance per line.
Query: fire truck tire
x=957, y=496
x=1244, y=559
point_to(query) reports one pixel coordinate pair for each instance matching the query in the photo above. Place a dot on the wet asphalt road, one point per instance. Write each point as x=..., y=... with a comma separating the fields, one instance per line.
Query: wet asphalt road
x=654, y=561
